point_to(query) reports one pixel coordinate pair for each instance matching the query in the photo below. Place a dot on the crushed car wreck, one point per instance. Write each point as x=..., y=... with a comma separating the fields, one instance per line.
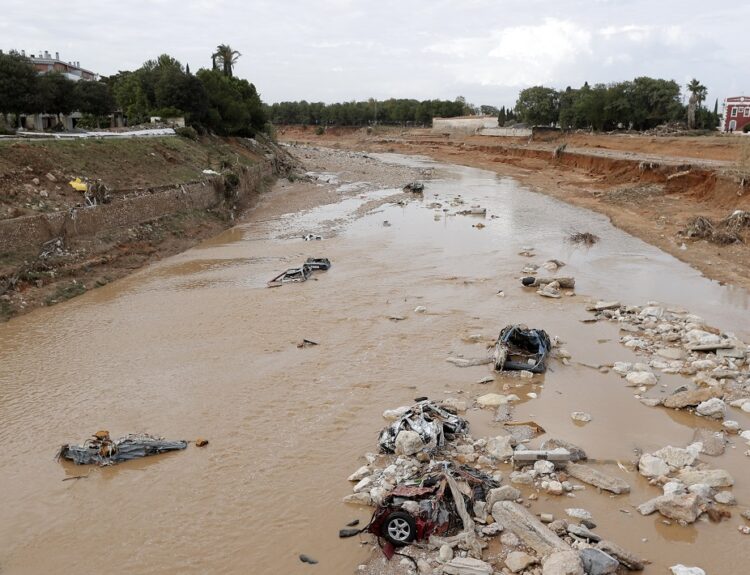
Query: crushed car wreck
x=521, y=348
x=100, y=449
x=301, y=273
x=427, y=420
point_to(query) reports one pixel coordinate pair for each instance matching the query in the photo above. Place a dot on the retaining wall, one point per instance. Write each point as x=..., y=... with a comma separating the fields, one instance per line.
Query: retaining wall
x=29, y=232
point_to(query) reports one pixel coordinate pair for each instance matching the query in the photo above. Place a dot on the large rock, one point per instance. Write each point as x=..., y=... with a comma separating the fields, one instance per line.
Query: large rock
x=495, y=399
x=408, y=443
x=518, y=561
x=638, y=378
x=711, y=477
x=712, y=442
x=713, y=407
x=597, y=478
x=563, y=563
x=467, y=566
x=628, y=559
x=651, y=466
x=597, y=562
x=680, y=507
x=690, y=397
x=500, y=447
x=675, y=457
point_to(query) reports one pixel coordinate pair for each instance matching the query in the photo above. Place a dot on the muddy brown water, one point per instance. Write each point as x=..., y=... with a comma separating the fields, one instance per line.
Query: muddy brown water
x=196, y=345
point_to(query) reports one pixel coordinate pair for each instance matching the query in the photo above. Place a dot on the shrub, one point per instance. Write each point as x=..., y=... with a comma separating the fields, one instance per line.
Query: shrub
x=320, y=130
x=746, y=129
x=187, y=132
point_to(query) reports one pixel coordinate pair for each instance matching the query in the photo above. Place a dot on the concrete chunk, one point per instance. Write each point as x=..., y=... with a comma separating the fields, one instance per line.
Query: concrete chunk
x=597, y=478
x=532, y=532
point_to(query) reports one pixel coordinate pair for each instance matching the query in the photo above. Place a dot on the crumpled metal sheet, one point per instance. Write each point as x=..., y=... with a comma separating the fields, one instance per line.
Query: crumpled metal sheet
x=101, y=450
x=430, y=421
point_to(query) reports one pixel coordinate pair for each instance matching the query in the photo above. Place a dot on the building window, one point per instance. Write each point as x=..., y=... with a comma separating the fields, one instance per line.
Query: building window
x=734, y=111
x=747, y=112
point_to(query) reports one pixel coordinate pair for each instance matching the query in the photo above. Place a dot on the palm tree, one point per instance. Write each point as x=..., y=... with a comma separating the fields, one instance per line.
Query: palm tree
x=226, y=57
x=698, y=90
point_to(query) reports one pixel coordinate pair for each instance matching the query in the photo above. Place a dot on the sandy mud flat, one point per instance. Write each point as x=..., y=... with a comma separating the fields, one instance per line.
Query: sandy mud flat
x=196, y=345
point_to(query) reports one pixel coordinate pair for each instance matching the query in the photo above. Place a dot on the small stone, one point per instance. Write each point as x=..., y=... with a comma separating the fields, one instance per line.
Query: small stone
x=509, y=539
x=731, y=425
x=581, y=416
x=714, y=407
x=597, y=562
x=577, y=513
x=543, y=467
x=408, y=443
x=725, y=498
x=563, y=563
x=546, y=517
x=50, y=177
x=521, y=478
x=555, y=488
x=500, y=447
x=637, y=378
x=420, y=309
x=492, y=529
x=517, y=561
x=651, y=466
x=446, y=553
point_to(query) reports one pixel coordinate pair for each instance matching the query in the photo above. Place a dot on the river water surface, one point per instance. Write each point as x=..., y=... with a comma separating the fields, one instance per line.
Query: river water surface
x=197, y=346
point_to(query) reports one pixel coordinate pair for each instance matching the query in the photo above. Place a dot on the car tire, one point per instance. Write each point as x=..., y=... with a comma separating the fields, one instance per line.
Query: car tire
x=399, y=528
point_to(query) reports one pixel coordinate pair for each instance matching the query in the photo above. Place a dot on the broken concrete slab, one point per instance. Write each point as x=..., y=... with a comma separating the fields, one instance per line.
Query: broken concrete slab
x=576, y=453
x=626, y=558
x=517, y=561
x=563, y=563
x=532, y=532
x=710, y=477
x=597, y=562
x=691, y=397
x=680, y=507
x=597, y=478
x=467, y=566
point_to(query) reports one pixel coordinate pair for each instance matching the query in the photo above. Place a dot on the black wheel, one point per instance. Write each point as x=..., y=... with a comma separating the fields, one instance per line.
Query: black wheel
x=400, y=528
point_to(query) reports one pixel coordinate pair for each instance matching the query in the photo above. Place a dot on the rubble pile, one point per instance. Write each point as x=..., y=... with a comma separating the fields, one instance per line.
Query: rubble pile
x=442, y=493
x=677, y=342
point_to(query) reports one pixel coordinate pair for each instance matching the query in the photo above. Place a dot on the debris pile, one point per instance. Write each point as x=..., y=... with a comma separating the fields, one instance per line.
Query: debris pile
x=677, y=342
x=585, y=238
x=727, y=231
x=435, y=486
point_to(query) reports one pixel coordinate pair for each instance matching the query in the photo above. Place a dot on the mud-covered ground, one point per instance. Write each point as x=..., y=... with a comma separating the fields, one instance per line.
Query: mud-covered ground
x=196, y=345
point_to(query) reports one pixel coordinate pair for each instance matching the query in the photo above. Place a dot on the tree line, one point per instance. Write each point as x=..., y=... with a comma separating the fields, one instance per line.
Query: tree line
x=394, y=111
x=211, y=100
x=640, y=104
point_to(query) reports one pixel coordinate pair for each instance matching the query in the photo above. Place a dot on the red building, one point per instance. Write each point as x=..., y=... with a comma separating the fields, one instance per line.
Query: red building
x=736, y=113
x=45, y=63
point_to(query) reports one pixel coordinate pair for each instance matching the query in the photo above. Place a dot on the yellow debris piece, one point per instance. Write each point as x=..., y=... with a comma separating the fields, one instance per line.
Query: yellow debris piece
x=78, y=185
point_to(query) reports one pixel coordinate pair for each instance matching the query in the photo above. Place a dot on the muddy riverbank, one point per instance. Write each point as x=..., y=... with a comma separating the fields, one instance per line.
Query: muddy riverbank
x=196, y=345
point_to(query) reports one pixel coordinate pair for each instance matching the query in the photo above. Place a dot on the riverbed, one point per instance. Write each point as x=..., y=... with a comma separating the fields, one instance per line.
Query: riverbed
x=197, y=346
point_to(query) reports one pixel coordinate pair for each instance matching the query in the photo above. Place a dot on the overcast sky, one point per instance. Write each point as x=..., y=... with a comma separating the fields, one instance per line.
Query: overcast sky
x=335, y=50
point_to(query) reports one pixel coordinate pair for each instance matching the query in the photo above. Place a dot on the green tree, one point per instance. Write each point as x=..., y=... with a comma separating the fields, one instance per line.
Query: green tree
x=538, y=106
x=227, y=57
x=18, y=85
x=94, y=98
x=56, y=94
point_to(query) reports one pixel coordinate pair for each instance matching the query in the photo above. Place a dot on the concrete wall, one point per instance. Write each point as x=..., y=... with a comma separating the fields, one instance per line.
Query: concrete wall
x=469, y=124
x=507, y=132
x=30, y=232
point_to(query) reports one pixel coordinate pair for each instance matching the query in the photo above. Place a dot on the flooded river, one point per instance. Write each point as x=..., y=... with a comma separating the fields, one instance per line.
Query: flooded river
x=197, y=346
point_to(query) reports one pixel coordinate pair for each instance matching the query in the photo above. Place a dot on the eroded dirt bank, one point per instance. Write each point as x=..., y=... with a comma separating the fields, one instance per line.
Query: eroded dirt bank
x=197, y=345
x=650, y=187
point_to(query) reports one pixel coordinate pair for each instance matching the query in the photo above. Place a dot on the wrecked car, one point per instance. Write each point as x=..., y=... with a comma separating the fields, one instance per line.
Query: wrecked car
x=301, y=273
x=415, y=187
x=102, y=450
x=429, y=420
x=436, y=505
x=323, y=264
x=521, y=348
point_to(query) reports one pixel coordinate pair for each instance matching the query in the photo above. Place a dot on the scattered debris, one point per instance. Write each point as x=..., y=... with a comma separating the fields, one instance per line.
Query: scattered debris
x=311, y=237
x=307, y=343
x=564, y=283
x=100, y=449
x=307, y=559
x=200, y=442
x=301, y=273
